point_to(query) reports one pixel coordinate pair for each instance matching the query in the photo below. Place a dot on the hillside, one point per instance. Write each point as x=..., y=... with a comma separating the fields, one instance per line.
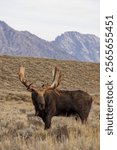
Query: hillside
x=68, y=46
x=75, y=75
x=20, y=129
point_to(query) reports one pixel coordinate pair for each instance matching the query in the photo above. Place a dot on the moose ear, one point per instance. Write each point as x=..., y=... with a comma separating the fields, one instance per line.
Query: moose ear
x=44, y=86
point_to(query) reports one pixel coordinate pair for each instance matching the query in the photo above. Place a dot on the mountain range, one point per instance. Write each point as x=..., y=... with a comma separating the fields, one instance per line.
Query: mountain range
x=68, y=46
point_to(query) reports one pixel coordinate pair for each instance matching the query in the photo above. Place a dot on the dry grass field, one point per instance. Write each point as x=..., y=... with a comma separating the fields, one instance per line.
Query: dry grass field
x=21, y=130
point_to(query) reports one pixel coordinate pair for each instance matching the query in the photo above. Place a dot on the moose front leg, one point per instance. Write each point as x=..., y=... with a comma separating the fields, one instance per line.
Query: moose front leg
x=47, y=122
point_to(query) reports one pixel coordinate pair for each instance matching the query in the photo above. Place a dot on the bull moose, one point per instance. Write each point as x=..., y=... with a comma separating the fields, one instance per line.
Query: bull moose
x=48, y=101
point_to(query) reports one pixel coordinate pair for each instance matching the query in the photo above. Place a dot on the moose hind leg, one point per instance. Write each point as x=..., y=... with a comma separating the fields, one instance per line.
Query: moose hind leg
x=47, y=122
x=83, y=118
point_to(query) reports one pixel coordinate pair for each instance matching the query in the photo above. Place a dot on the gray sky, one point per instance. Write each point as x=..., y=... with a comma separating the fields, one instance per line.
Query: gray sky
x=49, y=18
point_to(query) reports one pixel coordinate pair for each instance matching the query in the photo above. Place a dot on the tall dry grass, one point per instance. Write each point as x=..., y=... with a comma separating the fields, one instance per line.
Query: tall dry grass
x=77, y=137
x=21, y=130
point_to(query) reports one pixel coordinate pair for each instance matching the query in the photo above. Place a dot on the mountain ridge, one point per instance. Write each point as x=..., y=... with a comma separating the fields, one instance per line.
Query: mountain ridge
x=70, y=45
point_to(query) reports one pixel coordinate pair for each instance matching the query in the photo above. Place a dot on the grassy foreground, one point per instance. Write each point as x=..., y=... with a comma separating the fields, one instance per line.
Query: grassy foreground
x=21, y=130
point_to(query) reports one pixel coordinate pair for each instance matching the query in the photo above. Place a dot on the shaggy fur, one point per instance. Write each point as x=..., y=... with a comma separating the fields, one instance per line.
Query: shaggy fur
x=66, y=103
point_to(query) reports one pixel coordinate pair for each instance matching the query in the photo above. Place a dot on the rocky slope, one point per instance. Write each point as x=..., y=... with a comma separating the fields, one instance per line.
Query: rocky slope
x=69, y=46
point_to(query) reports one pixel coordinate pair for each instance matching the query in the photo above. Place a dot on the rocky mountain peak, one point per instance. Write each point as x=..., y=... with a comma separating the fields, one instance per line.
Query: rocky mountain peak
x=70, y=45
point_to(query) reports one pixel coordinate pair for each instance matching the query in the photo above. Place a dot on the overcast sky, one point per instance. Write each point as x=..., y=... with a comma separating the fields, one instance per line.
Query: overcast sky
x=49, y=18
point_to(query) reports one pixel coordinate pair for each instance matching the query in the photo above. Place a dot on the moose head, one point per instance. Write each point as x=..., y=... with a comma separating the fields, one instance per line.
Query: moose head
x=38, y=93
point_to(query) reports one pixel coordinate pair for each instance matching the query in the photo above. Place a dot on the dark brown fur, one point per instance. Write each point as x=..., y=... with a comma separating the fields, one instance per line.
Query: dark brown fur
x=66, y=103
x=49, y=102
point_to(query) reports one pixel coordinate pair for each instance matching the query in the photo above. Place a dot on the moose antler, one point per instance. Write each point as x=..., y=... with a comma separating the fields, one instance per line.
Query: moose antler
x=56, y=79
x=53, y=86
x=23, y=80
